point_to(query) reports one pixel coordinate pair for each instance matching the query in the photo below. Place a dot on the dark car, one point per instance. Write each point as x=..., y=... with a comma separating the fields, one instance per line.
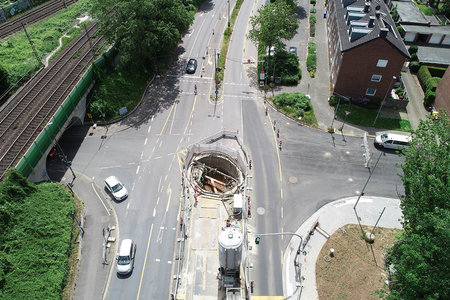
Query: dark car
x=293, y=50
x=191, y=66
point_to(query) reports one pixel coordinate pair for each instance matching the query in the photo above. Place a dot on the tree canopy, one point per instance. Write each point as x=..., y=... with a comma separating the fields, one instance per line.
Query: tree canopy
x=143, y=30
x=272, y=24
x=420, y=257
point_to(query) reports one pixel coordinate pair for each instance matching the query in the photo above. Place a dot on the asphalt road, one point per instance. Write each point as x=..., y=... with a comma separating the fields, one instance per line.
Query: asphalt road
x=288, y=185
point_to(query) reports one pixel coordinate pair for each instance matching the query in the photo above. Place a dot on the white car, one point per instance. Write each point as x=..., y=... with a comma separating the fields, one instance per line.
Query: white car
x=116, y=188
x=392, y=141
x=125, y=257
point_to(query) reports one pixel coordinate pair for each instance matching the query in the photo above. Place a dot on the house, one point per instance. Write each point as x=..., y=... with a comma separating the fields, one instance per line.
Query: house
x=366, y=52
x=442, y=100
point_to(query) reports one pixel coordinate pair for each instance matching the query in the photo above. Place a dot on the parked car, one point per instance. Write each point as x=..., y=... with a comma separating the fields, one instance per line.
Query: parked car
x=125, y=257
x=293, y=50
x=116, y=188
x=392, y=141
x=191, y=66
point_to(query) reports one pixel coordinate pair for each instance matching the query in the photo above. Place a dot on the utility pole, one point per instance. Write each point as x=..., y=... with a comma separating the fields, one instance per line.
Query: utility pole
x=32, y=45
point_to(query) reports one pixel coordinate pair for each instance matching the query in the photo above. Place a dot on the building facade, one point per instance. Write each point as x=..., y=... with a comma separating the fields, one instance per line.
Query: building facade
x=366, y=52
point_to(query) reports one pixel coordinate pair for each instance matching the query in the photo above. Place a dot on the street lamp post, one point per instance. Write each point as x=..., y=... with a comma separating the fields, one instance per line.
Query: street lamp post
x=384, y=99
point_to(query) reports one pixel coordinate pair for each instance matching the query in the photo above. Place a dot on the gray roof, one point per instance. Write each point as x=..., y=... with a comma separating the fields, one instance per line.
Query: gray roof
x=409, y=12
x=427, y=29
x=434, y=55
x=354, y=24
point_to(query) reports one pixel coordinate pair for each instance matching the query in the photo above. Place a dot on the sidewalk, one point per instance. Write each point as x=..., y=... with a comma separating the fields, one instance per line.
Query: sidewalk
x=331, y=217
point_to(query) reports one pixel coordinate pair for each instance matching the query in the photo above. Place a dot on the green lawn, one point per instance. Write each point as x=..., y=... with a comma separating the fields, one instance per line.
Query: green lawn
x=365, y=117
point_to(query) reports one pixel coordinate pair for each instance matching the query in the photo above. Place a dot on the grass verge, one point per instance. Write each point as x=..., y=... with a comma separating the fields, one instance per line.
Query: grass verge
x=365, y=117
x=17, y=56
x=226, y=40
x=292, y=109
x=357, y=269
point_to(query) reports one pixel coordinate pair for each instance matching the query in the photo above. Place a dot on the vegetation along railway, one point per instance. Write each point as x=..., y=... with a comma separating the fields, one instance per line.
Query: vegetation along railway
x=24, y=116
x=40, y=12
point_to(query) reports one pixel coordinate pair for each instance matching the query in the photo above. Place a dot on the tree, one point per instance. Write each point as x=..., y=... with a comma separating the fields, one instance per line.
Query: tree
x=273, y=23
x=142, y=30
x=420, y=257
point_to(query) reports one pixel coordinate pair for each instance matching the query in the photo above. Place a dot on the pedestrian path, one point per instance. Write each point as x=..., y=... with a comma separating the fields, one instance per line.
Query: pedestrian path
x=331, y=217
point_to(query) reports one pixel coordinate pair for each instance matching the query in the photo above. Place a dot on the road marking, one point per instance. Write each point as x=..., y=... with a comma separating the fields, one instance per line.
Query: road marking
x=154, y=211
x=142, y=154
x=168, y=116
x=145, y=261
x=159, y=184
x=282, y=217
x=195, y=40
x=145, y=142
x=204, y=272
x=170, y=196
x=137, y=170
x=149, y=127
x=157, y=201
x=173, y=119
x=157, y=260
x=92, y=184
x=190, y=115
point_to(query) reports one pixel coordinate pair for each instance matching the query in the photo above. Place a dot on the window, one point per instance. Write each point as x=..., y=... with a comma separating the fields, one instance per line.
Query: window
x=382, y=63
x=376, y=78
x=371, y=92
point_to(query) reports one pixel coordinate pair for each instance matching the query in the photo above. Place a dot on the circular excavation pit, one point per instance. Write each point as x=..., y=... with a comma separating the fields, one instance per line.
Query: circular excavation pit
x=215, y=174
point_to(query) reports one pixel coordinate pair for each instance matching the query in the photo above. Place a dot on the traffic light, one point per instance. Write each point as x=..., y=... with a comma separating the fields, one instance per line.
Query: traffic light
x=257, y=240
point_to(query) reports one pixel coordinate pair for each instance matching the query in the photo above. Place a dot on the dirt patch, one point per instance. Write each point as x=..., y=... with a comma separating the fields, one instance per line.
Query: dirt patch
x=357, y=269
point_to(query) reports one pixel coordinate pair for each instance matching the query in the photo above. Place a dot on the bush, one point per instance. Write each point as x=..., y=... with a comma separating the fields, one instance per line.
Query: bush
x=297, y=101
x=423, y=75
x=401, y=30
x=311, y=63
x=429, y=97
x=413, y=57
x=432, y=83
x=413, y=49
x=414, y=66
x=289, y=80
x=313, y=10
x=312, y=24
x=311, y=48
x=333, y=100
x=313, y=2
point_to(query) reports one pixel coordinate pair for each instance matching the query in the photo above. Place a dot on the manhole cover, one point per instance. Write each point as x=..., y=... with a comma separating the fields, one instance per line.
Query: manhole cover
x=293, y=179
x=260, y=211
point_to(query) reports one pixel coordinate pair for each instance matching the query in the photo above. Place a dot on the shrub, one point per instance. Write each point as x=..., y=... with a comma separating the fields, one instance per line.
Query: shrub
x=414, y=66
x=432, y=83
x=429, y=97
x=413, y=57
x=413, y=49
x=423, y=75
x=311, y=62
x=313, y=2
x=333, y=100
x=401, y=30
x=312, y=24
x=297, y=100
x=311, y=48
x=313, y=10
x=289, y=80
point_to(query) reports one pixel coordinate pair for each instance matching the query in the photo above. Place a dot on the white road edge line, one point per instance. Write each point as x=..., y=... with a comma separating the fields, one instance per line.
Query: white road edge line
x=92, y=184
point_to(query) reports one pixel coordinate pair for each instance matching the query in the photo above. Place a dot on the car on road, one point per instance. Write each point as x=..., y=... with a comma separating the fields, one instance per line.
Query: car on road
x=125, y=257
x=293, y=50
x=392, y=141
x=116, y=188
x=191, y=66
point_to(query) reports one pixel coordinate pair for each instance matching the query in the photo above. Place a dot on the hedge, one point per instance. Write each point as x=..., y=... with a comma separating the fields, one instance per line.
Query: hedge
x=427, y=72
x=429, y=97
x=432, y=83
x=414, y=66
x=413, y=49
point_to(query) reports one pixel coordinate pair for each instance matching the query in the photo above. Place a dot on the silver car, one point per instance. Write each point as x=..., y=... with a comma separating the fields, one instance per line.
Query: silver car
x=125, y=257
x=116, y=188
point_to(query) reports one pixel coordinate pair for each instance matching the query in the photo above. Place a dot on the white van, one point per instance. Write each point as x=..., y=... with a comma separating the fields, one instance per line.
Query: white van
x=392, y=141
x=125, y=257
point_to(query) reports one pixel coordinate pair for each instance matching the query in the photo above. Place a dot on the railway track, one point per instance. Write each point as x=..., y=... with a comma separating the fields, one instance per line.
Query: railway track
x=38, y=13
x=23, y=118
